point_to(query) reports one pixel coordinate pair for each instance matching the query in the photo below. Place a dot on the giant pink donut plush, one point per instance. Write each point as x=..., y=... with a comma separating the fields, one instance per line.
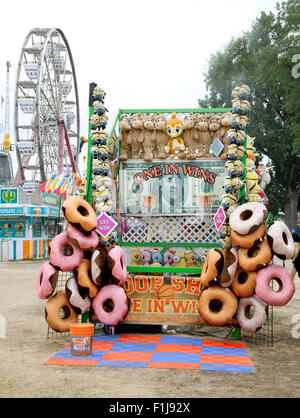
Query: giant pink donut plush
x=78, y=238
x=117, y=264
x=111, y=304
x=79, y=303
x=281, y=240
x=59, y=247
x=284, y=279
x=244, y=319
x=46, y=280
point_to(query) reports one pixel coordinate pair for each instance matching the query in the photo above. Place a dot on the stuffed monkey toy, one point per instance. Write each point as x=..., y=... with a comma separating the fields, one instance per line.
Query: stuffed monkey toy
x=202, y=134
x=125, y=151
x=148, y=124
x=136, y=135
x=188, y=136
x=160, y=136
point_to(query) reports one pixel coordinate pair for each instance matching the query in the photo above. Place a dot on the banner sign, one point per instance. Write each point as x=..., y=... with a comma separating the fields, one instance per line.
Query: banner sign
x=12, y=229
x=158, y=300
x=178, y=186
x=36, y=211
x=50, y=199
x=9, y=196
x=16, y=211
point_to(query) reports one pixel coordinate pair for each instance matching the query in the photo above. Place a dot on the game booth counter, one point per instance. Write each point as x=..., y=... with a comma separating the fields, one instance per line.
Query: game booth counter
x=28, y=221
x=170, y=226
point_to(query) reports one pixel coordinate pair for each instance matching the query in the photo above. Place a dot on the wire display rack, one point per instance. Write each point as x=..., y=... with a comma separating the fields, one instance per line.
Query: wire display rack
x=63, y=277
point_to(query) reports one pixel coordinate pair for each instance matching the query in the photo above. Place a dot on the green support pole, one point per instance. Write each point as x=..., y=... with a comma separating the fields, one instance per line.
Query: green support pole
x=236, y=333
x=88, y=188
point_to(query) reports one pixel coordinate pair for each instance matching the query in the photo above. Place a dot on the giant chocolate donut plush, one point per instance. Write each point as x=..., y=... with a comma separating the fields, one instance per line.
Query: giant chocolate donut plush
x=57, y=303
x=46, y=280
x=284, y=280
x=64, y=255
x=80, y=303
x=248, y=217
x=80, y=213
x=83, y=276
x=99, y=266
x=229, y=266
x=117, y=264
x=111, y=304
x=217, y=305
x=212, y=266
x=281, y=240
x=252, y=259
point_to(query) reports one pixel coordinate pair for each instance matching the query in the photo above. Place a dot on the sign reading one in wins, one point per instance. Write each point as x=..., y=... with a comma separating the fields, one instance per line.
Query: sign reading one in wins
x=158, y=300
x=177, y=185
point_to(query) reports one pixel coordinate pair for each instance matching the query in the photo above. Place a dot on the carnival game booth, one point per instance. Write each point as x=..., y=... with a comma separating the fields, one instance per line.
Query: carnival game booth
x=170, y=188
x=171, y=226
x=28, y=221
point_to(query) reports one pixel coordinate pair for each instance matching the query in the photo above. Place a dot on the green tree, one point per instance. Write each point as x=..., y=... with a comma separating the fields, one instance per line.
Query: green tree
x=266, y=58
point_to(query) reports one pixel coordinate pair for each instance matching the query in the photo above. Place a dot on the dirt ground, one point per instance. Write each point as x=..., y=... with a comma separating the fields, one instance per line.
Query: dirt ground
x=26, y=347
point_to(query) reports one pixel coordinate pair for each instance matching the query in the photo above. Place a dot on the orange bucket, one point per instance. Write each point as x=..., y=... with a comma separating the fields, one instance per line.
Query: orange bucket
x=81, y=339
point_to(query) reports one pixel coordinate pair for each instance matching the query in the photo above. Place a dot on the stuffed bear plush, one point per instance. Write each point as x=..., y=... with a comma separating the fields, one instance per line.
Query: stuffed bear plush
x=189, y=137
x=136, y=135
x=125, y=150
x=174, y=130
x=202, y=134
x=149, y=125
x=160, y=135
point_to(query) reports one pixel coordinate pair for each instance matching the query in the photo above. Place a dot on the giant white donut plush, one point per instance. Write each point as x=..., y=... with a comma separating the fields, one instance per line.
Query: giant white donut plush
x=117, y=264
x=281, y=240
x=111, y=304
x=248, y=217
x=80, y=303
x=284, y=279
x=245, y=320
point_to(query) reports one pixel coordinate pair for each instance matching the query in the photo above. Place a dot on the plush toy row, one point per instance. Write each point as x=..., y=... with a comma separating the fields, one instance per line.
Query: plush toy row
x=241, y=148
x=99, y=272
x=169, y=258
x=103, y=187
x=238, y=278
x=153, y=136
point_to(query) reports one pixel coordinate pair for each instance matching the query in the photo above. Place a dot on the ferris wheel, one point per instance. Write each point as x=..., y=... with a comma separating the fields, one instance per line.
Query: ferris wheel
x=46, y=108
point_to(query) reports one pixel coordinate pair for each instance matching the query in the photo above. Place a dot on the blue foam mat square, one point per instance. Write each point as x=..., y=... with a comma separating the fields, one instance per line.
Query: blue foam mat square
x=117, y=363
x=66, y=353
x=226, y=368
x=224, y=351
x=123, y=346
x=165, y=339
x=106, y=337
x=175, y=357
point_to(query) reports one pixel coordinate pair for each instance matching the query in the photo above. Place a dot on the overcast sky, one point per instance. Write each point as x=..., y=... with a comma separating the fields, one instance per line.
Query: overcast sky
x=144, y=54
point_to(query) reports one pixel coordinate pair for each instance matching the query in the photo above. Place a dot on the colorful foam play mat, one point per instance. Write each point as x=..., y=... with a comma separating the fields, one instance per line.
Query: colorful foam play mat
x=162, y=352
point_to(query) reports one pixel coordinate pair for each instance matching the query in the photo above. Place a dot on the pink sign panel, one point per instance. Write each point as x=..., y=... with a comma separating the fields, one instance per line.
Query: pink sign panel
x=219, y=218
x=106, y=224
